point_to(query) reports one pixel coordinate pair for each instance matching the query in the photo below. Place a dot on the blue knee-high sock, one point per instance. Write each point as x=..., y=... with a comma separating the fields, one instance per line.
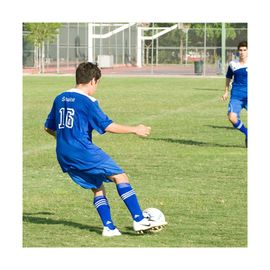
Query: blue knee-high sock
x=129, y=197
x=240, y=126
x=103, y=208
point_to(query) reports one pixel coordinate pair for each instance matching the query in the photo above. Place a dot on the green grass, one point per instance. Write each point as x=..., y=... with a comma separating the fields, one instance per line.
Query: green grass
x=193, y=166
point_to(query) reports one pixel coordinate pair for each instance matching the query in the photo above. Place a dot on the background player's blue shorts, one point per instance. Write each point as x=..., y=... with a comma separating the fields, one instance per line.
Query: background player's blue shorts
x=93, y=178
x=236, y=106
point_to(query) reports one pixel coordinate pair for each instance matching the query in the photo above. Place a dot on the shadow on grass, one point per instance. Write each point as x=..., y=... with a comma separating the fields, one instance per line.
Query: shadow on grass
x=194, y=143
x=221, y=127
x=206, y=89
x=33, y=218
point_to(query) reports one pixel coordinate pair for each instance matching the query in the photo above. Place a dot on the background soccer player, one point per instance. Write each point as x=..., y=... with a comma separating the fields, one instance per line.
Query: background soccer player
x=74, y=115
x=237, y=73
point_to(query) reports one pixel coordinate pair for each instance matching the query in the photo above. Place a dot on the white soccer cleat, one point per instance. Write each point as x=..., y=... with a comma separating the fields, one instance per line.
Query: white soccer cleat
x=109, y=233
x=142, y=225
x=147, y=224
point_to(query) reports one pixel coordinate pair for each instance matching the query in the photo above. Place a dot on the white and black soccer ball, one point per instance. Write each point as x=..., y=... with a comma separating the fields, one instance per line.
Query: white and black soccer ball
x=154, y=214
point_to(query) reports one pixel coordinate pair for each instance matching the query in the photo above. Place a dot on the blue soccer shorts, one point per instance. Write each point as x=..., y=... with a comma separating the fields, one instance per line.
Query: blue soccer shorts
x=94, y=178
x=236, y=106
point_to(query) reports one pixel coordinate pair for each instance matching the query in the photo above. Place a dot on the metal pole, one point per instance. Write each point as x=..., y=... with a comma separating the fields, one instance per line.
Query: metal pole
x=157, y=53
x=123, y=47
x=57, y=54
x=100, y=40
x=152, y=52
x=204, y=64
x=116, y=49
x=129, y=45
x=90, y=42
x=94, y=45
x=68, y=46
x=223, y=49
x=139, y=47
x=78, y=47
x=186, y=46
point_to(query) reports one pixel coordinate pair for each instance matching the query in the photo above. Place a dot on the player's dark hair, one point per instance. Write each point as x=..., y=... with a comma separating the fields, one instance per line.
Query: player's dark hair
x=86, y=72
x=242, y=44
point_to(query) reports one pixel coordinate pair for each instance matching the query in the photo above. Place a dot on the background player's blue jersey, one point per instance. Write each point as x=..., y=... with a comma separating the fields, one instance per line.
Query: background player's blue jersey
x=73, y=116
x=239, y=73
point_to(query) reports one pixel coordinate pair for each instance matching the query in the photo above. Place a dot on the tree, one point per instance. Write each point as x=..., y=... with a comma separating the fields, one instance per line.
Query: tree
x=178, y=37
x=213, y=30
x=214, y=33
x=37, y=34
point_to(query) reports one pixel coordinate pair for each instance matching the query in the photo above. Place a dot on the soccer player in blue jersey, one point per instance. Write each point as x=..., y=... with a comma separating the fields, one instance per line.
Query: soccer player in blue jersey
x=74, y=115
x=237, y=74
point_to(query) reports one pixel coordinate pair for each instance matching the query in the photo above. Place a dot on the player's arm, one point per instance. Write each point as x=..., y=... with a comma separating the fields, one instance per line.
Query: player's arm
x=50, y=124
x=227, y=88
x=50, y=131
x=140, y=130
x=229, y=78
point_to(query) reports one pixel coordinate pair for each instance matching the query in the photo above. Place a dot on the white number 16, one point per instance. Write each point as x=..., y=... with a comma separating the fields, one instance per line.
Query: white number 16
x=66, y=118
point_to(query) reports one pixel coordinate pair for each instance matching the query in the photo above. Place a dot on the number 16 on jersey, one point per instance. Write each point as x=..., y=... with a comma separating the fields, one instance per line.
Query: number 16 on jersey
x=66, y=118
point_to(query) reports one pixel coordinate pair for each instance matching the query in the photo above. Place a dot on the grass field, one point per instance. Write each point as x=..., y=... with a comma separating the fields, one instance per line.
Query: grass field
x=193, y=166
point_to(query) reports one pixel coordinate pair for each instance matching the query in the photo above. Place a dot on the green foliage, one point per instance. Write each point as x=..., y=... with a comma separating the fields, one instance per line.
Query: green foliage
x=213, y=30
x=41, y=32
x=196, y=32
x=193, y=166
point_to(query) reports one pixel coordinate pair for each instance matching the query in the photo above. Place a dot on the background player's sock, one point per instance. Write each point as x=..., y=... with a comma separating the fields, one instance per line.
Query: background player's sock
x=103, y=208
x=239, y=125
x=129, y=197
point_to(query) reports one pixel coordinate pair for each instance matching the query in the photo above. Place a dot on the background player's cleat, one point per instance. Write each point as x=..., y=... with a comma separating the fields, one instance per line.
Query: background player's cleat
x=246, y=142
x=109, y=233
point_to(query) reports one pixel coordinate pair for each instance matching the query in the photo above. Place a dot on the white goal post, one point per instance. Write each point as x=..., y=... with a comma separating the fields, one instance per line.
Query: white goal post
x=141, y=37
x=92, y=36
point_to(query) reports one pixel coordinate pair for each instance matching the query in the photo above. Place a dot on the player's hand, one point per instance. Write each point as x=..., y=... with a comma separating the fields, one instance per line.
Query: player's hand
x=142, y=130
x=225, y=96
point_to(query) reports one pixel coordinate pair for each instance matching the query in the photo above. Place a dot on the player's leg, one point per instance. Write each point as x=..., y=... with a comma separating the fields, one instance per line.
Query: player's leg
x=92, y=180
x=234, y=109
x=103, y=208
x=140, y=222
x=128, y=195
x=116, y=174
x=245, y=106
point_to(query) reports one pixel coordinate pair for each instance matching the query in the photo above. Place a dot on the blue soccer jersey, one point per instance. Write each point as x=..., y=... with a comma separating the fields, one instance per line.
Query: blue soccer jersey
x=239, y=74
x=74, y=116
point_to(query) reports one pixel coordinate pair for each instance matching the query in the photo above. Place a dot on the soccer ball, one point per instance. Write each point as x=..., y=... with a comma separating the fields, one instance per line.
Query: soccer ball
x=156, y=219
x=155, y=214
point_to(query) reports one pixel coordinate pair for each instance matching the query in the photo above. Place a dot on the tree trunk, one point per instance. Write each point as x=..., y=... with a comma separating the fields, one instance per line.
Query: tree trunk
x=43, y=57
x=181, y=50
x=39, y=59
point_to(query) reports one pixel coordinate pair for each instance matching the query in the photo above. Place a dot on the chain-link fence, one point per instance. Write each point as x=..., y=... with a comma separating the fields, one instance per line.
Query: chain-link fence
x=138, y=48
